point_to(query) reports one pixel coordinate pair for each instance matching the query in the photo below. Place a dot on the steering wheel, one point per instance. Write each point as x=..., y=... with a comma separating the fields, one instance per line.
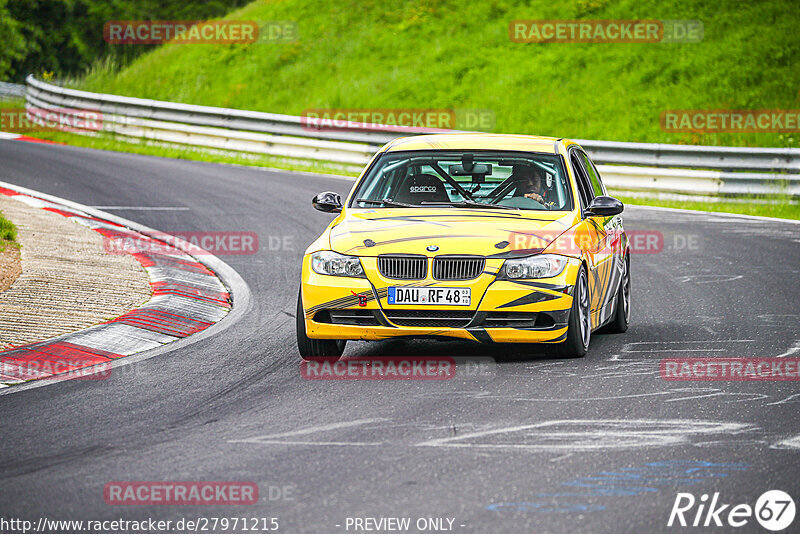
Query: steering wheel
x=521, y=202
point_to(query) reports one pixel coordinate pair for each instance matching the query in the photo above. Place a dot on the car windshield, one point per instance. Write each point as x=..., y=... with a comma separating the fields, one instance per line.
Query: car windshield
x=474, y=179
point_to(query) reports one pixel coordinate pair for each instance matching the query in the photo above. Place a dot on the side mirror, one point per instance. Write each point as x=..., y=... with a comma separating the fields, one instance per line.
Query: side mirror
x=329, y=202
x=603, y=206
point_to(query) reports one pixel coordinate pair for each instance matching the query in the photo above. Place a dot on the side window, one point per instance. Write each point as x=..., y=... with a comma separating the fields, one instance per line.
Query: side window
x=594, y=176
x=584, y=189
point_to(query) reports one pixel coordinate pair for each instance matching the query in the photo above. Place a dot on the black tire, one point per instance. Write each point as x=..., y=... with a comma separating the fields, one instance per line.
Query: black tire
x=622, y=311
x=579, y=326
x=315, y=349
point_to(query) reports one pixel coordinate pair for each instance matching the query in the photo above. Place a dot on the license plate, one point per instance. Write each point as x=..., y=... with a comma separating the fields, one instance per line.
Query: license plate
x=438, y=296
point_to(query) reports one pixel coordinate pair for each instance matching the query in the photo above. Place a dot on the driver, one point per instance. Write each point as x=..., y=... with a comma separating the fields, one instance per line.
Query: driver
x=530, y=184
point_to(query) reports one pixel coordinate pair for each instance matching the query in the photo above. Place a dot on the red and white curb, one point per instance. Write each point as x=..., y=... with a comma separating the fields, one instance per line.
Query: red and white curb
x=20, y=137
x=187, y=298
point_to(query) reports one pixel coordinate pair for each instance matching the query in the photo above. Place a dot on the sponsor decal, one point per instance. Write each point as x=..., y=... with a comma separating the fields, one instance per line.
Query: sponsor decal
x=362, y=299
x=422, y=189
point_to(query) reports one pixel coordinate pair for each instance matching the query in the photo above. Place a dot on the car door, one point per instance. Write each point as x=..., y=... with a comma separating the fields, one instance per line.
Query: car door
x=612, y=251
x=596, y=232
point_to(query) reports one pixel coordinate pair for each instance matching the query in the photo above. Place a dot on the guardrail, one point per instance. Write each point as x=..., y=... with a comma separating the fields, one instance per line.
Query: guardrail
x=11, y=90
x=645, y=166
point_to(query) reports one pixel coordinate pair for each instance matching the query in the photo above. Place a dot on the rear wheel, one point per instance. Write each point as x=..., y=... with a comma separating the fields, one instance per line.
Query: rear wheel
x=622, y=313
x=314, y=349
x=579, y=326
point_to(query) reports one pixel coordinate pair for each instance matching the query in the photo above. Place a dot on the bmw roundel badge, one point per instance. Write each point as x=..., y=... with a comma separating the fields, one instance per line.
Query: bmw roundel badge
x=432, y=248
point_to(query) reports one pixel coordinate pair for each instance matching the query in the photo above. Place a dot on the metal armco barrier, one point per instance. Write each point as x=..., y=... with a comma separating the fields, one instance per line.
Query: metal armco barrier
x=624, y=166
x=11, y=90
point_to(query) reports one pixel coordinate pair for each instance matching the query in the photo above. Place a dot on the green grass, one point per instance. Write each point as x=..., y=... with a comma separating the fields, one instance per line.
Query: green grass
x=8, y=233
x=457, y=54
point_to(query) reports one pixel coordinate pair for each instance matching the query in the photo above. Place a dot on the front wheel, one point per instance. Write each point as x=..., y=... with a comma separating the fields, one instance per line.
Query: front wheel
x=311, y=349
x=579, y=326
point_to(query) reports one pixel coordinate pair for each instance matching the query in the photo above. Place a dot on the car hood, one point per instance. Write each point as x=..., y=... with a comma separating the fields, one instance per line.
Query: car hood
x=370, y=232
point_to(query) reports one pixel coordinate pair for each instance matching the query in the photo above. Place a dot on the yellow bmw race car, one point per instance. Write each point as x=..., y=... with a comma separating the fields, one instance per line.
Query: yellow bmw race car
x=490, y=238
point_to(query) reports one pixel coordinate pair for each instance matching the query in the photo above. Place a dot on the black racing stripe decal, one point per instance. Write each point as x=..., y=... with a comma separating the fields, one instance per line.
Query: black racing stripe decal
x=422, y=283
x=535, y=329
x=599, y=227
x=595, y=282
x=537, y=233
x=560, y=317
x=600, y=282
x=606, y=277
x=470, y=215
x=420, y=238
x=541, y=285
x=530, y=298
x=480, y=334
x=345, y=302
x=410, y=223
x=516, y=253
x=382, y=320
x=611, y=292
x=340, y=302
x=562, y=337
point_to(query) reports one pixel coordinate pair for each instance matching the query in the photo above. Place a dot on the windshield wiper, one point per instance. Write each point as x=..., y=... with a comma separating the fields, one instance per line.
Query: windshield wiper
x=387, y=202
x=469, y=204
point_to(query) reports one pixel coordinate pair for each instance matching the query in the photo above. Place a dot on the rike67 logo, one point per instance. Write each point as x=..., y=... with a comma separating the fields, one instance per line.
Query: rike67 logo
x=774, y=511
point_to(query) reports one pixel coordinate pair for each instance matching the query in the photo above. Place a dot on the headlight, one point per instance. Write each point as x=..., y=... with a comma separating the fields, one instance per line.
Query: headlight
x=335, y=264
x=542, y=266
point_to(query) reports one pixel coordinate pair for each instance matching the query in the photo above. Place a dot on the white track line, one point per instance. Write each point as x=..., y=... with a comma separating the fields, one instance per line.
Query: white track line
x=143, y=208
x=274, y=439
x=752, y=218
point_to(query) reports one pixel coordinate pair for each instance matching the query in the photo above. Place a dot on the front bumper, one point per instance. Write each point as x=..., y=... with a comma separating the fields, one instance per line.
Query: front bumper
x=502, y=311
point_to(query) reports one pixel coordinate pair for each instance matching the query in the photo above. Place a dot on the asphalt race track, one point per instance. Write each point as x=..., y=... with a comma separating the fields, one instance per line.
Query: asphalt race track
x=529, y=444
